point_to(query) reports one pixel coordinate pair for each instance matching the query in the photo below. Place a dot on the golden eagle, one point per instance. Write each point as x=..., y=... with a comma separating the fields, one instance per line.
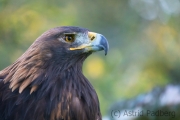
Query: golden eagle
x=47, y=83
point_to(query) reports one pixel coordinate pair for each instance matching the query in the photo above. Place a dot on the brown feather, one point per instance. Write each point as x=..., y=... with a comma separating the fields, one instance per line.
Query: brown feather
x=18, y=77
x=33, y=89
x=15, y=86
x=24, y=84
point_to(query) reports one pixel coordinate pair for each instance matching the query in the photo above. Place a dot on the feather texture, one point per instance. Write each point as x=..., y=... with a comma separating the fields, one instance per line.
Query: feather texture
x=46, y=83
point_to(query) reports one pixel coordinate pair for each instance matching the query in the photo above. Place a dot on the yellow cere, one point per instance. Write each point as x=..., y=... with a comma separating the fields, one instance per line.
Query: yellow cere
x=92, y=35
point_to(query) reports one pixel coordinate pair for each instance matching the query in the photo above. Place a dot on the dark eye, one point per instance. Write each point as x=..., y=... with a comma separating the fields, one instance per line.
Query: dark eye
x=69, y=38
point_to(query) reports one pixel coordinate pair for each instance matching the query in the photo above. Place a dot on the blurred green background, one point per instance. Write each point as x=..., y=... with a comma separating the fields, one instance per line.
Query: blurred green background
x=143, y=36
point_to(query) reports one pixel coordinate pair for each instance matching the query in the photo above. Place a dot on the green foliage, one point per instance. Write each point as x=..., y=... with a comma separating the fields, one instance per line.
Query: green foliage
x=143, y=53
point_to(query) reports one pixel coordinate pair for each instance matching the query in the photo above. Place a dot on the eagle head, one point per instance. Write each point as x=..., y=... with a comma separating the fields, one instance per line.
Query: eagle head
x=64, y=44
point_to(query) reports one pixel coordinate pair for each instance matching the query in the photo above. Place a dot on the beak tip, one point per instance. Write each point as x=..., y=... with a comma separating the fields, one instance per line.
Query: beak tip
x=105, y=53
x=105, y=44
x=106, y=50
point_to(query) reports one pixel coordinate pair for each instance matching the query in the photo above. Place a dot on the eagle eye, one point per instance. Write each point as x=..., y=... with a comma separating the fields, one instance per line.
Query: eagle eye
x=69, y=37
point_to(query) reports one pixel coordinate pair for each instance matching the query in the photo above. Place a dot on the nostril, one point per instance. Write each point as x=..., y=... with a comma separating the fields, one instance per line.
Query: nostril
x=92, y=38
x=92, y=35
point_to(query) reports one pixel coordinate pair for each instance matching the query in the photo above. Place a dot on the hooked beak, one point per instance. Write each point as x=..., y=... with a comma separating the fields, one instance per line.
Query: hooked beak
x=96, y=42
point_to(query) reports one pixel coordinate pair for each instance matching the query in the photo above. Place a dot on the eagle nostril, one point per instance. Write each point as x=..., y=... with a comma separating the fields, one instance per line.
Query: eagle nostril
x=92, y=38
x=92, y=35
